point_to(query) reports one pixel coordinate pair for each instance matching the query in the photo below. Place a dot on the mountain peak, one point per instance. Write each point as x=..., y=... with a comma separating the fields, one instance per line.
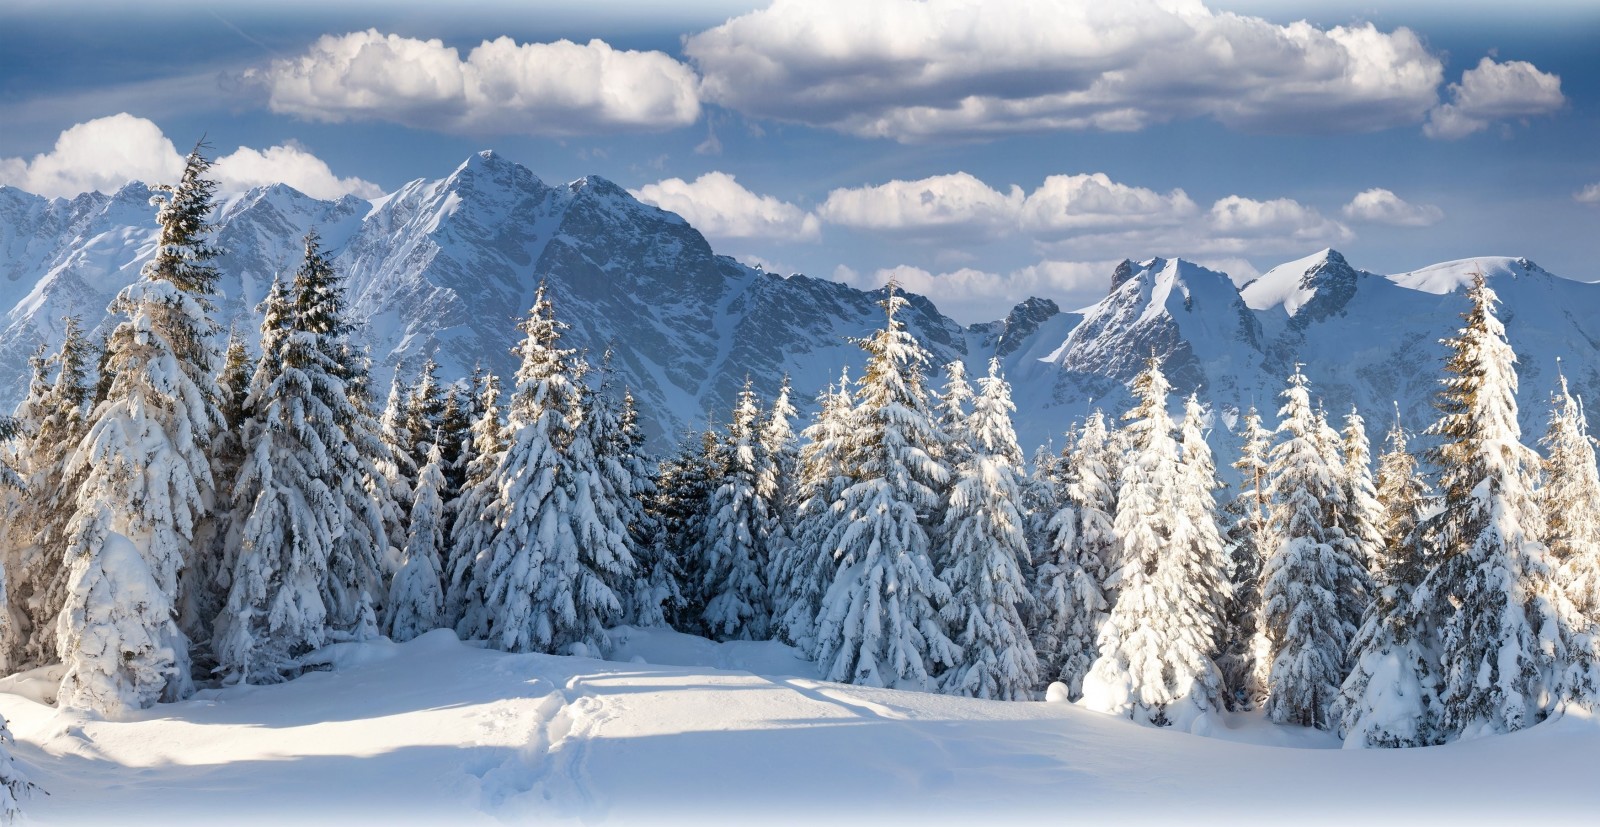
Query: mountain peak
x=1323, y=278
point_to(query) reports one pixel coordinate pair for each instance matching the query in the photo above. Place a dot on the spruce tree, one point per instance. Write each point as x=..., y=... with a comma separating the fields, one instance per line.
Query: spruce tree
x=475, y=523
x=416, y=601
x=1155, y=663
x=656, y=589
x=1391, y=695
x=1570, y=498
x=780, y=466
x=984, y=526
x=425, y=405
x=805, y=568
x=1096, y=473
x=1072, y=573
x=1303, y=575
x=879, y=623
x=49, y=424
x=210, y=577
x=683, y=486
x=1491, y=592
x=735, y=554
x=396, y=463
x=1245, y=659
x=365, y=555
x=146, y=484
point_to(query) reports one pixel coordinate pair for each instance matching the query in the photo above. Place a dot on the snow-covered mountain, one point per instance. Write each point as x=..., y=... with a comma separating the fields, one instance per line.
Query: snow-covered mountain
x=447, y=268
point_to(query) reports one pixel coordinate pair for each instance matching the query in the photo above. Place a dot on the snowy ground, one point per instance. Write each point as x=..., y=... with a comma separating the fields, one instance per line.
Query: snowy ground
x=678, y=728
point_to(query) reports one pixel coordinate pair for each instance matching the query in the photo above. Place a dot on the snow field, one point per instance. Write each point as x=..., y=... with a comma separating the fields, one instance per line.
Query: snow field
x=678, y=729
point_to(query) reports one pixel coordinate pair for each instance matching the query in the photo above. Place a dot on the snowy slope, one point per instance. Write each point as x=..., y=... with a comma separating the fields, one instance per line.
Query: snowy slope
x=678, y=729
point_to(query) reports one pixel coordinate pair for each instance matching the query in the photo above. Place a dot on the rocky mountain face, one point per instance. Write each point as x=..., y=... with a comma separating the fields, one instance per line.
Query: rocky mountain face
x=448, y=267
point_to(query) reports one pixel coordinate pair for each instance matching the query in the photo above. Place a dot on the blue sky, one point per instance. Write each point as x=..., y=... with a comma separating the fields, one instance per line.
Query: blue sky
x=980, y=152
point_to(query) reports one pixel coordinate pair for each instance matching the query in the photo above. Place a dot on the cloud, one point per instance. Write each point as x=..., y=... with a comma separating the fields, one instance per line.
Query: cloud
x=1239, y=219
x=958, y=203
x=979, y=295
x=245, y=168
x=106, y=153
x=1380, y=206
x=1588, y=195
x=720, y=207
x=102, y=154
x=502, y=87
x=1077, y=203
x=911, y=70
x=1494, y=92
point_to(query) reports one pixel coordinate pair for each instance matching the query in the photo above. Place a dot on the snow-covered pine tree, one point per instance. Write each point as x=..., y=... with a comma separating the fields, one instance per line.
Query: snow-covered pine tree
x=364, y=556
x=416, y=602
x=146, y=483
x=49, y=424
x=1155, y=663
x=780, y=468
x=804, y=569
x=984, y=526
x=1570, y=498
x=1096, y=463
x=656, y=589
x=1339, y=515
x=543, y=579
x=579, y=587
x=210, y=575
x=424, y=412
x=1071, y=574
x=879, y=623
x=1198, y=538
x=455, y=438
x=10, y=483
x=1245, y=659
x=1490, y=592
x=1362, y=513
x=475, y=522
x=683, y=485
x=1301, y=577
x=396, y=465
x=735, y=554
x=1390, y=697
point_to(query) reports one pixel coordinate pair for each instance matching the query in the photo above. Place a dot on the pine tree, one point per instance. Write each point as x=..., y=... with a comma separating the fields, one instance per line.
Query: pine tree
x=952, y=411
x=396, y=464
x=735, y=554
x=984, y=524
x=1155, y=663
x=543, y=578
x=1391, y=695
x=1570, y=498
x=49, y=424
x=780, y=468
x=1301, y=579
x=1491, y=591
x=475, y=522
x=879, y=624
x=287, y=497
x=146, y=483
x=416, y=602
x=210, y=577
x=1245, y=659
x=425, y=405
x=656, y=589
x=805, y=568
x=1076, y=541
x=1349, y=516
x=683, y=485
x=1199, y=536
x=364, y=556
x=1096, y=473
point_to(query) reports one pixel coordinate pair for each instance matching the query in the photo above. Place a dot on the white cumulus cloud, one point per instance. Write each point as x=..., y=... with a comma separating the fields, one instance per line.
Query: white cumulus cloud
x=719, y=206
x=1588, y=195
x=1380, y=206
x=1235, y=220
x=501, y=87
x=1492, y=92
x=957, y=202
x=1077, y=203
x=105, y=153
x=918, y=69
